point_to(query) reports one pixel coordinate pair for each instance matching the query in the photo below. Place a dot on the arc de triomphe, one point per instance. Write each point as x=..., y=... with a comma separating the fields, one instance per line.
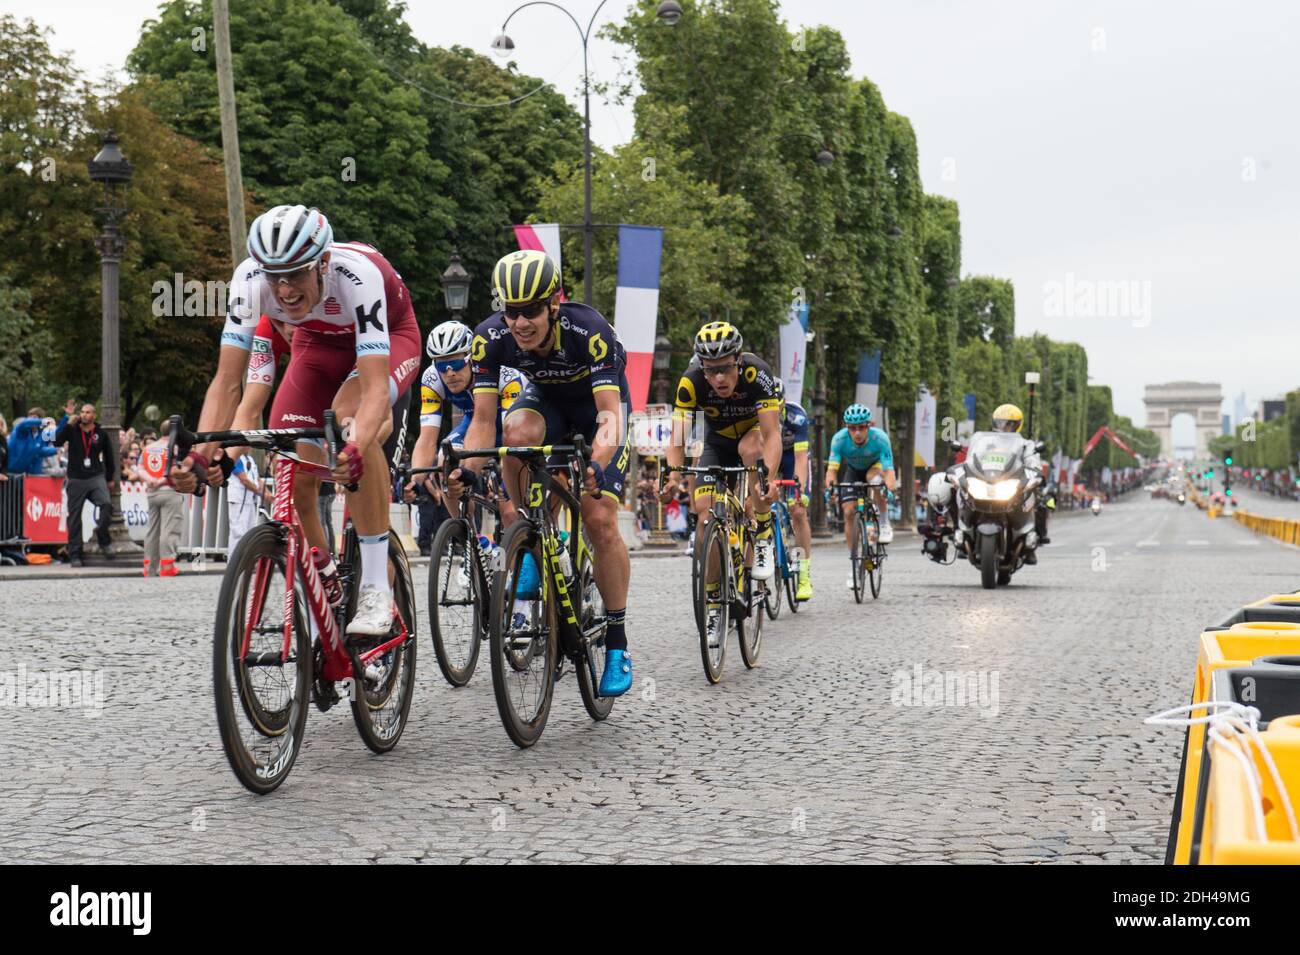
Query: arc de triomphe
x=1199, y=399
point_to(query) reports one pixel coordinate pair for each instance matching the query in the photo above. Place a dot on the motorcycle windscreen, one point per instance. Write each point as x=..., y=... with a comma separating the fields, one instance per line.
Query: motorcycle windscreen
x=995, y=454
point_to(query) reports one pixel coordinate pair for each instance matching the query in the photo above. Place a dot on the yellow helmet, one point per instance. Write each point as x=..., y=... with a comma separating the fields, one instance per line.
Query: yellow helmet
x=718, y=340
x=525, y=277
x=1007, y=418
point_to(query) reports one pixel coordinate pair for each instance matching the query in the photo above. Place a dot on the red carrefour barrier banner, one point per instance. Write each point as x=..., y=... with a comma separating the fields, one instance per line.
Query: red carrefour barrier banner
x=44, y=517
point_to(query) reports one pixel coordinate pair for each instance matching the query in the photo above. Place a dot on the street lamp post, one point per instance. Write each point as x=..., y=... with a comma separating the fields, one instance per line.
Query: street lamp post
x=668, y=12
x=110, y=169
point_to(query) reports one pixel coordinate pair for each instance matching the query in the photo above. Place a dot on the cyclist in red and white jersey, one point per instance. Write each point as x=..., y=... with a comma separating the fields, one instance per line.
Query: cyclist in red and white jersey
x=356, y=349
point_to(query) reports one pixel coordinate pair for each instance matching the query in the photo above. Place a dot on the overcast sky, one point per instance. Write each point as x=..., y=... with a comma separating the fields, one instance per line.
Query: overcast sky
x=1134, y=168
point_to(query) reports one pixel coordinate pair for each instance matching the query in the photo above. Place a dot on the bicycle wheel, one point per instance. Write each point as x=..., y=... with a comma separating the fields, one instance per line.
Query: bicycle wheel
x=858, y=556
x=876, y=568
x=383, y=684
x=523, y=641
x=711, y=548
x=261, y=697
x=591, y=618
x=751, y=629
x=456, y=617
x=792, y=579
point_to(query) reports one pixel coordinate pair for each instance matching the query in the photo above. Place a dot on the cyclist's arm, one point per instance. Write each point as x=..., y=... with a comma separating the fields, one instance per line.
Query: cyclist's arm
x=683, y=418
x=609, y=413
x=375, y=409
x=223, y=395
x=482, y=431
x=801, y=470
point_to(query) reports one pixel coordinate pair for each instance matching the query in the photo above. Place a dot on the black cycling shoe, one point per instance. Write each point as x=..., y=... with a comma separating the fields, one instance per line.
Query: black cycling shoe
x=1031, y=558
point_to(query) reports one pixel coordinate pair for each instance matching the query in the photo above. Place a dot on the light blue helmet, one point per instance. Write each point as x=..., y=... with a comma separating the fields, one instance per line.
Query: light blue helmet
x=287, y=238
x=857, y=414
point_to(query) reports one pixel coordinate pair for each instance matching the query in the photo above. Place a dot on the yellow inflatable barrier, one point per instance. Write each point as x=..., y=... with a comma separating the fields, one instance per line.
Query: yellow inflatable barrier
x=1235, y=646
x=1230, y=833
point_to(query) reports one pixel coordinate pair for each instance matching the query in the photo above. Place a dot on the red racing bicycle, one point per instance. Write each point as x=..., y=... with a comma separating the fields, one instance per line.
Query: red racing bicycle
x=279, y=644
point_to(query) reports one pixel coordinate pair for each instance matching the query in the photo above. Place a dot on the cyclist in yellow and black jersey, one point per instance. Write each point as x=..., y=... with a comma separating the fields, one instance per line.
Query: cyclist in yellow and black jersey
x=736, y=392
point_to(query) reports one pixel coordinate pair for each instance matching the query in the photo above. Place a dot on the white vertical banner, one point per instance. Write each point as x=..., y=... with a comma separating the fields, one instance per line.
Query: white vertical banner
x=794, y=352
x=926, y=411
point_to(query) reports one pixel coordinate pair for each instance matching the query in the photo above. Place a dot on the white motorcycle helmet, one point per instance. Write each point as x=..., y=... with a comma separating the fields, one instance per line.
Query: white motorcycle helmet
x=939, y=490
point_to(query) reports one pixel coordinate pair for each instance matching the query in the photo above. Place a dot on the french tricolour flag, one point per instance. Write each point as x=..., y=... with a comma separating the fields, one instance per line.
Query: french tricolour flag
x=544, y=237
x=636, y=303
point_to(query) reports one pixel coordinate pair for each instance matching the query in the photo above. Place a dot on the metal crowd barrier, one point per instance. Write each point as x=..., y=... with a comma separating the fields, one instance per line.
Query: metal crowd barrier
x=11, y=511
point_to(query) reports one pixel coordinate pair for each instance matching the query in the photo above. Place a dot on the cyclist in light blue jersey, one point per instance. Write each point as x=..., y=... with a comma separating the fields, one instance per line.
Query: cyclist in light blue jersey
x=860, y=452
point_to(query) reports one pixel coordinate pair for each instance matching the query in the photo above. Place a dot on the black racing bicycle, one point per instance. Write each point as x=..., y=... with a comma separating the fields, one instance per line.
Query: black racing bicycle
x=534, y=637
x=867, y=555
x=460, y=575
x=725, y=595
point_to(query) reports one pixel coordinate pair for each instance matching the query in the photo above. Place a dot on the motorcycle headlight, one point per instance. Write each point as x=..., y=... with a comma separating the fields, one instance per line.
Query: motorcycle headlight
x=996, y=491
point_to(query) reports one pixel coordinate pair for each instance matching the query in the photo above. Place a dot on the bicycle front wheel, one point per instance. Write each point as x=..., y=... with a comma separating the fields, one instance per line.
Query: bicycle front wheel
x=772, y=591
x=712, y=564
x=858, y=556
x=383, y=683
x=261, y=692
x=751, y=631
x=456, y=616
x=522, y=638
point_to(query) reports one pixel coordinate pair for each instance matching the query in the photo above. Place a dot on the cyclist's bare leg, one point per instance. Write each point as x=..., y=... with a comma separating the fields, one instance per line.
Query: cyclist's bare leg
x=750, y=450
x=612, y=567
x=802, y=527
x=522, y=428
x=368, y=505
x=850, y=525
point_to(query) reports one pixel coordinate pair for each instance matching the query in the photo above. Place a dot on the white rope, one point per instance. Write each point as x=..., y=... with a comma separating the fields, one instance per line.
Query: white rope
x=1237, y=723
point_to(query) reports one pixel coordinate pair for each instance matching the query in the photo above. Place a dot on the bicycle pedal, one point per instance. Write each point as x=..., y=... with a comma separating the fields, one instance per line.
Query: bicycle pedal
x=323, y=695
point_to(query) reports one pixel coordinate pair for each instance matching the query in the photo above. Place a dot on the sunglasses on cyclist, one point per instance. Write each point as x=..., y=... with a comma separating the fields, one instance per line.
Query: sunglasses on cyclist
x=295, y=277
x=529, y=312
x=719, y=371
x=456, y=364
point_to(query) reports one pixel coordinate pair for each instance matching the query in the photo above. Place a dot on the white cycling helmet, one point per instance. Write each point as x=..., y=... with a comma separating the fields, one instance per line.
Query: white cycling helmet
x=449, y=338
x=939, y=490
x=287, y=238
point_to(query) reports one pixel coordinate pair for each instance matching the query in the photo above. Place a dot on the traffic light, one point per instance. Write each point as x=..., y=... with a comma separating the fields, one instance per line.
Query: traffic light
x=1227, y=459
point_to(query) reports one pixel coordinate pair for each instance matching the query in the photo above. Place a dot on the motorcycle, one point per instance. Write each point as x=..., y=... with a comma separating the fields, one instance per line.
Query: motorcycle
x=1182, y=499
x=988, y=503
x=1096, y=506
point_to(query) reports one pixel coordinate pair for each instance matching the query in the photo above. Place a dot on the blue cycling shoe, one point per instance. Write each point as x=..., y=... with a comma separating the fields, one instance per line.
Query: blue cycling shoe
x=529, y=586
x=617, y=678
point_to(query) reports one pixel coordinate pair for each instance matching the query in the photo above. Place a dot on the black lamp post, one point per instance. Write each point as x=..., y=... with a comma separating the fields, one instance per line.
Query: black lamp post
x=455, y=286
x=110, y=169
x=668, y=12
x=663, y=357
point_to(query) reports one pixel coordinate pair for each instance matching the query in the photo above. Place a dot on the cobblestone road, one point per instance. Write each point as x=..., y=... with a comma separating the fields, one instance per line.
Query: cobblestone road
x=809, y=758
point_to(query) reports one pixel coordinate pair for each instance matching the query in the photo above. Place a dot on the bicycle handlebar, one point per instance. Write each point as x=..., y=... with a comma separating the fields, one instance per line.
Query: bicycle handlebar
x=181, y=441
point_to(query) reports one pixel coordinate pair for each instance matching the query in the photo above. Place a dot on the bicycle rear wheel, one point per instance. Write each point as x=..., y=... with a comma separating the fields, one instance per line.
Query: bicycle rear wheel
x=875, y=562
x=858, y=556
x=523, y=640
x=383, y=685
x=712, y=547
x=261, y=696
x=456, y=613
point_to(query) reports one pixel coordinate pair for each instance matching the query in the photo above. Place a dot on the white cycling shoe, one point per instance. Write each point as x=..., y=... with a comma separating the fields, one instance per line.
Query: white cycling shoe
x=886, y=533
x=764, y=565
x=374, y=616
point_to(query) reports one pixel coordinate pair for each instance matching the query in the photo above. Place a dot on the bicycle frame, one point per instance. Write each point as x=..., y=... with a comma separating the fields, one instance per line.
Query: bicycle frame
x=298, y=564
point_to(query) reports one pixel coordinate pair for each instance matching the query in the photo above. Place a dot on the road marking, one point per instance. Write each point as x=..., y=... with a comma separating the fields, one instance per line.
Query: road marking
x=1247, y=543
x=961, y=646
x=1148, y=543
x=1101, y=544
x=1198, y=543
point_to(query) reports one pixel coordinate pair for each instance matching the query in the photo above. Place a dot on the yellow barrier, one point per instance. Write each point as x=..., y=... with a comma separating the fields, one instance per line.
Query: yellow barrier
x=1221, y=649
x=1279, y=528
x=1230, y=835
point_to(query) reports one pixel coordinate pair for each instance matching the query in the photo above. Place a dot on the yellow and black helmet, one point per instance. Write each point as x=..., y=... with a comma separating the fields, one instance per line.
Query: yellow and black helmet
x=1007, y=418
x=525, y=277
x=718, y=340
